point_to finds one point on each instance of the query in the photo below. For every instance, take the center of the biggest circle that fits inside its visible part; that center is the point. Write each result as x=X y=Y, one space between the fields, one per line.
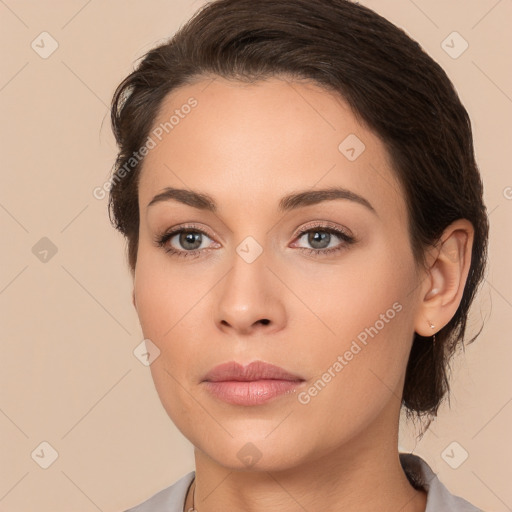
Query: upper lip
x=257 y=370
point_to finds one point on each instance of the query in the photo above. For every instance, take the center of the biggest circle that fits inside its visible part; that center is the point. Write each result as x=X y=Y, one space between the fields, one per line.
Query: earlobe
x=446 y=278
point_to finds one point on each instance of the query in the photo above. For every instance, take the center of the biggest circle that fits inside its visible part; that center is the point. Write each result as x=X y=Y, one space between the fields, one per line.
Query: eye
x=189 y=238
x=320 y=237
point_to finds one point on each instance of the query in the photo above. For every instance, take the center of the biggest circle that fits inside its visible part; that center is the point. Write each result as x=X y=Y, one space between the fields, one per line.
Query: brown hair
x=393 y=87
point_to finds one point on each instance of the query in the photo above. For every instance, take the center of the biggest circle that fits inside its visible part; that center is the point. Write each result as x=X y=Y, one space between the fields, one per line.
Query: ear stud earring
x=432 y=326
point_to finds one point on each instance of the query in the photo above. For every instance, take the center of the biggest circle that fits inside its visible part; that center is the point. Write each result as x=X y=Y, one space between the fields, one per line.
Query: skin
x=248 y=145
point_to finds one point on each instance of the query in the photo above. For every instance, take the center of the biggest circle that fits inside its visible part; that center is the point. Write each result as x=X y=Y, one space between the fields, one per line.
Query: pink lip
x=253 y=384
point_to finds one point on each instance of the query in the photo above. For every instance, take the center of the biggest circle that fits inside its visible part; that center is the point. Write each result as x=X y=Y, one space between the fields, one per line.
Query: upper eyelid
x=311 y=225
x=325 y=224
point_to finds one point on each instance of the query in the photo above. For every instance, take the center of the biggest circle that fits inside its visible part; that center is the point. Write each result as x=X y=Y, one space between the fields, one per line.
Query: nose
x=249 y=299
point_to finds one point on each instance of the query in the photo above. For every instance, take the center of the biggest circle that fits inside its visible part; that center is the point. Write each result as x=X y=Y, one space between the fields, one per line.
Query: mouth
x=253 y=384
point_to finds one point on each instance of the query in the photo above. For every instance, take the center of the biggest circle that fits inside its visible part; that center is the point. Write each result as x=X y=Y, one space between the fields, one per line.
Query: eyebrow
x=289 y=202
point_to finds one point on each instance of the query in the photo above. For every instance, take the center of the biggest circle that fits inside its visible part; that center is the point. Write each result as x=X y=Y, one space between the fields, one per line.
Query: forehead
x=253 y=143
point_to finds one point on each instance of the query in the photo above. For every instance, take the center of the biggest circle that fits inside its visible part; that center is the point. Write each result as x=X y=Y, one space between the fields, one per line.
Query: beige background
x=68 y=328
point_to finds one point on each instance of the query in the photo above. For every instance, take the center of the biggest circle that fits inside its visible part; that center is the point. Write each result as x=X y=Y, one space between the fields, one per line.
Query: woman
x=306 y=233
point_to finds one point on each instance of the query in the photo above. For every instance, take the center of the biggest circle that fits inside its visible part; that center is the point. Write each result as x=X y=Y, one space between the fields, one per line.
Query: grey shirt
x=419 y=473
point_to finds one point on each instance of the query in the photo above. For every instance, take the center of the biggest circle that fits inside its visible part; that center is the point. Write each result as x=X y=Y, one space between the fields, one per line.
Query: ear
x=133 y=299
x=449 y=263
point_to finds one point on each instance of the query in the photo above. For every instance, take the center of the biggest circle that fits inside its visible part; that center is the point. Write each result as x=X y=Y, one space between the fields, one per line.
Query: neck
x=360 y=477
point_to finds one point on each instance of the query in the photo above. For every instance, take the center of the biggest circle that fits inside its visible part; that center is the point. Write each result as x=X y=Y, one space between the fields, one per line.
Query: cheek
x=343 y=300
x=364 y=319
x=162 y=305
x=161 y=294
x=168 y=306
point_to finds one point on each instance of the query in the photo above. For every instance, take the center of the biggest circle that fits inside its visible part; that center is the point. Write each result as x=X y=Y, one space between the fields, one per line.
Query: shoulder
x=438 y=496
x=170 y=499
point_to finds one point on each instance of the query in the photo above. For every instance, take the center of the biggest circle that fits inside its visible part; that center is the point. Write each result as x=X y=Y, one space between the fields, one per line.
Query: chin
x=254 y=452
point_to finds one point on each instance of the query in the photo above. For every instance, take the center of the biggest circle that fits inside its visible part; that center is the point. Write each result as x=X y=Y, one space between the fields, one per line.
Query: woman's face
x=341 y=318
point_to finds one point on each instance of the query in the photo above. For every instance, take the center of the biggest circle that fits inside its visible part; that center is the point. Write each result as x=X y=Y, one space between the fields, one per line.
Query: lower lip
x=254 y=392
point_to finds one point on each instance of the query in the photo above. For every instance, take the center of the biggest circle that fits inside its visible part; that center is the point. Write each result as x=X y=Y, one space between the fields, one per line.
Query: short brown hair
x=393 y=87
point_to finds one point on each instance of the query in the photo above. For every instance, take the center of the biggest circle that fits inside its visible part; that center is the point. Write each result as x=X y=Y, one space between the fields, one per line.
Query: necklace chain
x=193 y=509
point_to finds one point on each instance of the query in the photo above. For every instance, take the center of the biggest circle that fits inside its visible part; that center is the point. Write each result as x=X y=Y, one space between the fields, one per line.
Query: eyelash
x=163 y=238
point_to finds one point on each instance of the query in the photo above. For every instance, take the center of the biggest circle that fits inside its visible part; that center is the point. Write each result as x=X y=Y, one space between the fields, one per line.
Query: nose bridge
x=248 y=295
x=247 y=281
